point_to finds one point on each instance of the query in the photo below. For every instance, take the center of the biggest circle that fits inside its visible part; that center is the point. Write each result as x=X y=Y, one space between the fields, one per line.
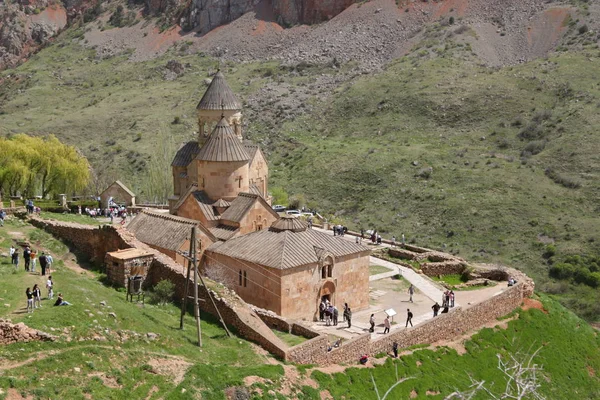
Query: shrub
x=425 y=173
x=534 y=147
x=163 y=292
x=550 y=251
x=563 y=180
x=176 y=120
x=583 y=29
x=531 y=131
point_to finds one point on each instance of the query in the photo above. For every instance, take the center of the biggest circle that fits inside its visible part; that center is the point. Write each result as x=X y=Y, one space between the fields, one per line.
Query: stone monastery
x=221 y=187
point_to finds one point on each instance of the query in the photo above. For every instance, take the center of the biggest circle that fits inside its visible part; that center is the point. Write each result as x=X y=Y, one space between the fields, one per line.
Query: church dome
x=223 y=145
x=289 y=223
x=219 y=96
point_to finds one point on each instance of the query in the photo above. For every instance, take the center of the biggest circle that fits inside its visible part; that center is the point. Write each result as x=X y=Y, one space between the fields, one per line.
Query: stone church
x=221 y=188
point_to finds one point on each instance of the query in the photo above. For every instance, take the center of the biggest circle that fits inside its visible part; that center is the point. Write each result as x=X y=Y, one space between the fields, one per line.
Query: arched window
x=245 y=279
x=240 y=277
x=324 y=272
x=328 y=265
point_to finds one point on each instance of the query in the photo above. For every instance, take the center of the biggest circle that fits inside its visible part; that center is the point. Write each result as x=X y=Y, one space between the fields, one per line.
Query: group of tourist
x=329 y=313
x=339 y=230
x=110 y=212
x=34 y=296
x=2 y=216
x=31 y=208
x=30 y=256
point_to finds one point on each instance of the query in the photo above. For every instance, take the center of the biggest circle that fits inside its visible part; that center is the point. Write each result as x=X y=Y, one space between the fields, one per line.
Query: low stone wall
x=273 y=320
x=443 y=268
x=312 y=351
x=304 y=331
x=20 y=333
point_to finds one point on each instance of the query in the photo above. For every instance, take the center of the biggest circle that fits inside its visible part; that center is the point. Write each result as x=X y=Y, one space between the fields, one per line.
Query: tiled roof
x=251 y=148
x=221 y=203
x=255 y=190
x=223 y=232
x=239 y=207
x=185 y=154
x=205 y=205
x=223 y=145
x=286 y=249
x=289 y=223
x=164 y=230
x=219 y=96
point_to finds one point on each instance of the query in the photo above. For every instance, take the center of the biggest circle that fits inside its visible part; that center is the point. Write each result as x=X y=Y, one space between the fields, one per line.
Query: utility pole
x=187 y=284
x=196 y=301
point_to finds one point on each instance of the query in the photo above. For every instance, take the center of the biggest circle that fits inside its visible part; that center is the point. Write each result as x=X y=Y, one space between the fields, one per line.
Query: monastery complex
x=221 y=187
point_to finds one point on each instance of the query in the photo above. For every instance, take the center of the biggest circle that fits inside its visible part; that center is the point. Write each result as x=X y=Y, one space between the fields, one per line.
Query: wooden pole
x=187 y=285
x=215 y=307
x=196 y=301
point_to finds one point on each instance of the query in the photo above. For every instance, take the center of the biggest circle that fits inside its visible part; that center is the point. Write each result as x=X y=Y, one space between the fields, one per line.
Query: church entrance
x=327 y=292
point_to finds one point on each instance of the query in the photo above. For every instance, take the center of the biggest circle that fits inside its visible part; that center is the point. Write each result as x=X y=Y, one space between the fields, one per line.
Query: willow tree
x=31 y=164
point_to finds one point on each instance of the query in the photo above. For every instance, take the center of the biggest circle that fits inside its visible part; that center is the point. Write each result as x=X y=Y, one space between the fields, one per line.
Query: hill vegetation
x=493 y=164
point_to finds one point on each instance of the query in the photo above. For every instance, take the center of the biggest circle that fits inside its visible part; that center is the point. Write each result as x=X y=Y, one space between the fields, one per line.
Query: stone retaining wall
x=443 y=268
x=20 y=333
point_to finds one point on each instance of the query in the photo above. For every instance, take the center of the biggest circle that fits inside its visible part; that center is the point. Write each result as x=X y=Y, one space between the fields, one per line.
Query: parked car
x=308 y=214
x=278 y=208
x=292 y=212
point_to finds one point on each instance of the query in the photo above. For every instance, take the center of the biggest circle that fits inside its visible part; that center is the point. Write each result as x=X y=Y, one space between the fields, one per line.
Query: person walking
x=411 y=291
x=435 y=308
x=349 y=317
x=395 y=349
x=49 y=286
x=452 y=298
x=15 y=258
x=386 y=325
x=322 y=310
x=43 y=263
x=27 y=257
x=372 y=322
x=335 y=315
x=393 y=241
x=2 y=216
x=409 y=317
x=49 y=261
x=345 y=311
x=11 y=251
x=403 y=240
x=29 y=295
x=33 y=257
x=37 y=296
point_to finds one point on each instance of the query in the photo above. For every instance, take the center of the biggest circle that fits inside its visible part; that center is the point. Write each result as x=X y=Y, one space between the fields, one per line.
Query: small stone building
x=119 y=193
x=170 y=234
x=122 y=264
x=289 y=269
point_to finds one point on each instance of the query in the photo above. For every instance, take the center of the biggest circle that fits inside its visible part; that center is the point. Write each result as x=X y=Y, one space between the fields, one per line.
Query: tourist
x=60 y=301
x=357 y=239
x=15 y=257
x=409 y=317
x=29 y=295
x=393 y=241
x=362 y=233
x=411 y=291
x=452 y=298
x=37 y=296
x=349 y=317
x=322 y=310
x=49 y=262
x=386 y=324
x=403 y=240
x=328 y=315
x=445 y=310
x=123 y=218
x=345 y=311
x=27 y=257
x=372 y=322
x=395 y=349
x=79 y=210
x=2 y=216
x=49 y=286
x=43 y=263
x=33 y=260
x=378 y=239
x=11 y=251
x=364 y=359
x=335 y=313
x=435 y=308
x=444 y=299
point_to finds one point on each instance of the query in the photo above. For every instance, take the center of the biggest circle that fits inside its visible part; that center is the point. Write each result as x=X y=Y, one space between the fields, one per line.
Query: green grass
x=80 y=219
x=288 y=338
x=569 y=352
x=450 y=279
x=377 y=269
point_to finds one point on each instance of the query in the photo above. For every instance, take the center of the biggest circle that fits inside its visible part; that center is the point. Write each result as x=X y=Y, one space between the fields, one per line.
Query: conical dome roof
x=223 y=145
x=289 y=223
x=221 y=203
x=219 y=96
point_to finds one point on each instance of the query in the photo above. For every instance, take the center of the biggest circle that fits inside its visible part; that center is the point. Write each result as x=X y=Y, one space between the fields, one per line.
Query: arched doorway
x=327 y=292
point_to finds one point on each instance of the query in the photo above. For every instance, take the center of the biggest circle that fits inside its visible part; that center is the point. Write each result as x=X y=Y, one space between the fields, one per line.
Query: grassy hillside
x=493 y=164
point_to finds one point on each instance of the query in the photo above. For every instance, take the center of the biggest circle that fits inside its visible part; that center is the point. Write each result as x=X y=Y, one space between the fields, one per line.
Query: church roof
x=289 y=223
x=239 y=207
x=251 y=148
x=255 y=190
x=224 y=232
x=219 y=96
x=223 y=145
x=164 y=230
x=286 y=249
x=122 y=186
x=205 y=205
x=221 y=203
x=185 y=154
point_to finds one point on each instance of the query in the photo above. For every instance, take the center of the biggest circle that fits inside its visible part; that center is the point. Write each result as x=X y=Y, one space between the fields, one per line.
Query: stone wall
x=20 y=333
x=443 y=268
